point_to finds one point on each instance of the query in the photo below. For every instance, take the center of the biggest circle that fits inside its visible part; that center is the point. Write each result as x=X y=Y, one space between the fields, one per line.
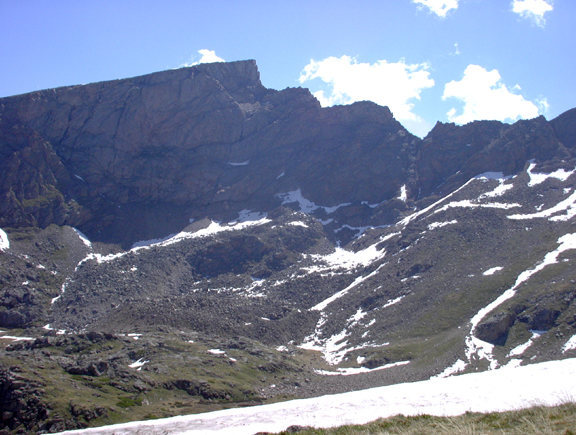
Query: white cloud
x=543 y=105
x=207 y=56
x=392 y=84
x=486 y=97
x=439 y=7
x=456 y=51
x=532 y=9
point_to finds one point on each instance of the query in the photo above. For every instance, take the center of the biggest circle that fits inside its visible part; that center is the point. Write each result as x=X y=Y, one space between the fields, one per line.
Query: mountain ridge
x=180 y=245
x=109 y=142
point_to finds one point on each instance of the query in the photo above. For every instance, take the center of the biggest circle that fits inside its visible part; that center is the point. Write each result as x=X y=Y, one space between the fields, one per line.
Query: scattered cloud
x=392 y=84
x=206 y=56
x=485 y=96
x=439 y=7
x=543 y=105
x=533 y=10
x=456 y=51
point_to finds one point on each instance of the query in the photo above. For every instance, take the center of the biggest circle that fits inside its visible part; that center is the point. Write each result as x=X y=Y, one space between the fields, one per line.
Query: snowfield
x=549 y=383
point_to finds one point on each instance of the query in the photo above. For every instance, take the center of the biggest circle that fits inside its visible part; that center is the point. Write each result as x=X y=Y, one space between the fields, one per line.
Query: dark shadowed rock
x=135 y=159
x=495 y=328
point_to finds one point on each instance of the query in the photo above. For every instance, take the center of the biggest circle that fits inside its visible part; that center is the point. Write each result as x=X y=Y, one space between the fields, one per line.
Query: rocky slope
x=189 y=240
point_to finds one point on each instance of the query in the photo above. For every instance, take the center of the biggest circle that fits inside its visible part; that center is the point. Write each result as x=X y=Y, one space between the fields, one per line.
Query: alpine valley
x=189 y=240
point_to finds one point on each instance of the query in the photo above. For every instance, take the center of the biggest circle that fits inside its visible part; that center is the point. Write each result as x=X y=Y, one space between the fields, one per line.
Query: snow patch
x=492 y=270
x=293 y=196
x=374 y=205
x=216 y=351
x=246 y=220
x=537 y=178
x=14 y=337
x=4 y=242
x=435 y=225
x=498 y=176
x=331 y=348
x=356 y=317
x=520 y=349
x=480 y=349
x=570 y=344
x=344 y=259
x=358 y=370
x=150 y=242
x=457 y=367
x=322 y=305
x=405 y=221
x=83 y=237
x=244 y=163
x=47 y=327
x=393 y=301
x=246 y=215
x=298 y=224
x=67 y=281
x=306 y=206
x=568 y=205
x=499 y=190
x=466 y=203
x=138 y=364
x=403 y=194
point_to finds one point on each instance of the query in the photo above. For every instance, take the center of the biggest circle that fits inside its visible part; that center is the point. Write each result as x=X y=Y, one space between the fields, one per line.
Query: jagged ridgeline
x=189 y=239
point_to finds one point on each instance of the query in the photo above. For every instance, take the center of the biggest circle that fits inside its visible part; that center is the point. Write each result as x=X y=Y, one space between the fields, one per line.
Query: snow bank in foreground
x=549 y=383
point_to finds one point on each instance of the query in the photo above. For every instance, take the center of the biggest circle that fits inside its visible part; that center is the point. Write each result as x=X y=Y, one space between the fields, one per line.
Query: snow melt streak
x=483 y=349
x=568 y=205
x=536 y=178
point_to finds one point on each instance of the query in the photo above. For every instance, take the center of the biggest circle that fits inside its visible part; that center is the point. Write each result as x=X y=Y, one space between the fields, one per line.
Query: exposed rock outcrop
x=135 y=159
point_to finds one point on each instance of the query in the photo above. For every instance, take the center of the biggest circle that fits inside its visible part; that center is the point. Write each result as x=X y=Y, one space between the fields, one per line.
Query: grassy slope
x=544 y=420
x=181 y=377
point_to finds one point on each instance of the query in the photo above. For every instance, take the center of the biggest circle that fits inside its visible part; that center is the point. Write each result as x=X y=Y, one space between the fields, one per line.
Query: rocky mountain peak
x=188 y=240
x=137 y=158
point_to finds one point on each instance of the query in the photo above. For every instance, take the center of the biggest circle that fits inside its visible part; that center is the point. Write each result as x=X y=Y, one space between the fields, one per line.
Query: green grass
x=541 y=420
x=127 y=402
x=223 y=383
x=48 y=197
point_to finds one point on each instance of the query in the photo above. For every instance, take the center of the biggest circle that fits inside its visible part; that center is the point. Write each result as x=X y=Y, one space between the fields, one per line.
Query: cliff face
x=184 y=144
x=133 y=159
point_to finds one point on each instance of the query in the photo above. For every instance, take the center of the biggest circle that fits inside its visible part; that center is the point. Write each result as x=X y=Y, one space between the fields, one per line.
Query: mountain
x=189 y=240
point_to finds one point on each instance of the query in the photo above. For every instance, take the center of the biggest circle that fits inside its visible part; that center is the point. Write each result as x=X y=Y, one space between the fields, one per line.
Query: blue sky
x=428 y=60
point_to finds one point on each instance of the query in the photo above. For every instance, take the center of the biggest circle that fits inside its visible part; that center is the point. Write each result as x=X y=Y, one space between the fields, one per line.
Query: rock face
x=135 y=159
x=267 y=227
x=157 y=150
